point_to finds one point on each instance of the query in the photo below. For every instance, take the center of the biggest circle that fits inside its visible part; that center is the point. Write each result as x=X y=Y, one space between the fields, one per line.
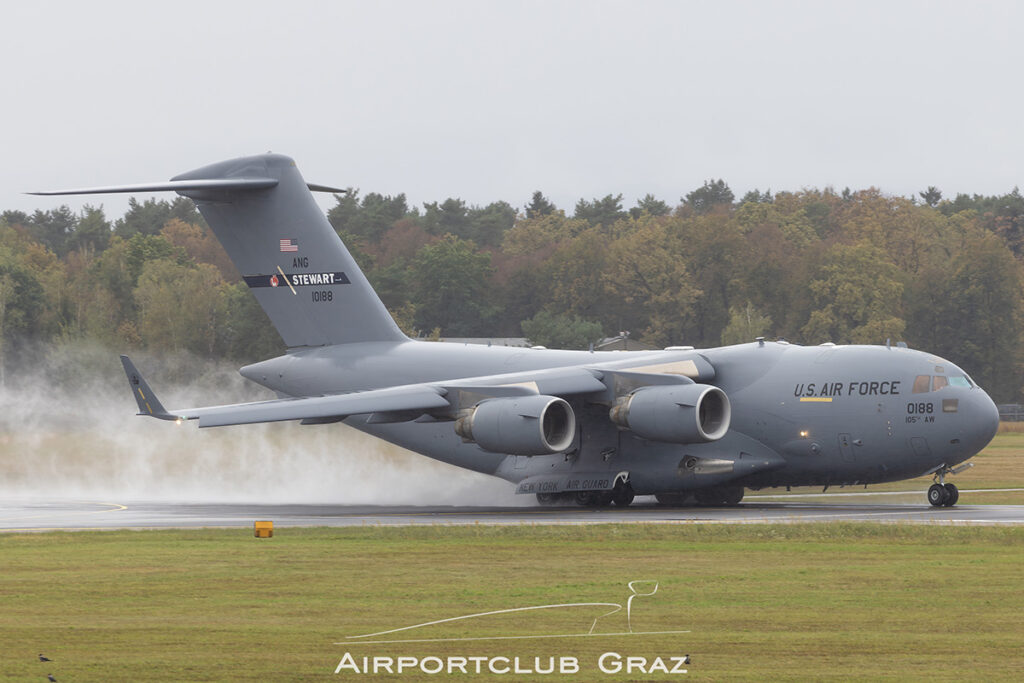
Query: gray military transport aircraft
x=596 y=428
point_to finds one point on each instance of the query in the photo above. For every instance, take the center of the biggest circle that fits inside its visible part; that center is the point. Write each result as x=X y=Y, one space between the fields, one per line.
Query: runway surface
x=42 y=515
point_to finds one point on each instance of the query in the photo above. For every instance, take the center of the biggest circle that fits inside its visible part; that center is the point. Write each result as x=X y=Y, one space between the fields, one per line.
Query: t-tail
x=264 y=215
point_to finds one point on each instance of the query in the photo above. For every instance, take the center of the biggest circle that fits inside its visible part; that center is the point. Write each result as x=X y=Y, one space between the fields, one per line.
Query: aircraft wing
x=444 y=397
x=420 y=397
x=406 y=399
x=415 y=397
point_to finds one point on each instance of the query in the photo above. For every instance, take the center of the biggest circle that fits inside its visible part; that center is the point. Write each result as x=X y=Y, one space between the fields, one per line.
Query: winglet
x=149 y=404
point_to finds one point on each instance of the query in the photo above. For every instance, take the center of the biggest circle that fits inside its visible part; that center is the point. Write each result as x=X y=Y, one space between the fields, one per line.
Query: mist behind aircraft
x=67 y=432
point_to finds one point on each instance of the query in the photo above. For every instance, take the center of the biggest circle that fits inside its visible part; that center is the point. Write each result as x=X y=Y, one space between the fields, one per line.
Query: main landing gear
x=620 y=496
x=941 y=494
x=710 y=497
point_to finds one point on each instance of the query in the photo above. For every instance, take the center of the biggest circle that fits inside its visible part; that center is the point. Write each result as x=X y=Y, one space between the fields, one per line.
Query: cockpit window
x=926 y=383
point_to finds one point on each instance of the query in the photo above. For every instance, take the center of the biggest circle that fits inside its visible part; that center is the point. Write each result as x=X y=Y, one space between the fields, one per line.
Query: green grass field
x=800 y=602
x=803 y=602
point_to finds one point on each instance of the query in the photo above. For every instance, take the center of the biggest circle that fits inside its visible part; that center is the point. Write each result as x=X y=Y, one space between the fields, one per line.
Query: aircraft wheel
x=583 y=498
x=672 y=499
x=708 y=497
x=952 y=495
x=937 y=495
x=547 y=498
x=602 y=499
x=622 y=495
x=732 y=495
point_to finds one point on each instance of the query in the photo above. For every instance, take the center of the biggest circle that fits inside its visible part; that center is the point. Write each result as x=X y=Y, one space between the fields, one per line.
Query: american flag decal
x=289 y=245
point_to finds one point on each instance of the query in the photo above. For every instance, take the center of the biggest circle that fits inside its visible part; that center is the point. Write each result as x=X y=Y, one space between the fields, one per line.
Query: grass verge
x=788 y=602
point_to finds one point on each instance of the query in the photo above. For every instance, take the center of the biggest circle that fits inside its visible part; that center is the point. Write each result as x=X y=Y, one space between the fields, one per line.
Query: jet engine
x=522 y=425
x=682 y=413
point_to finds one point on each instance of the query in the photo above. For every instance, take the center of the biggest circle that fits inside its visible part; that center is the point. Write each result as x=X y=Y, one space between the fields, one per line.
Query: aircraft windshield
x=924 y=384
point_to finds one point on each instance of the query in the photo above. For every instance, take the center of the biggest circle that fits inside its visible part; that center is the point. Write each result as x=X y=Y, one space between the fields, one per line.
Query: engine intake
x=684 y=413
x=524 y=425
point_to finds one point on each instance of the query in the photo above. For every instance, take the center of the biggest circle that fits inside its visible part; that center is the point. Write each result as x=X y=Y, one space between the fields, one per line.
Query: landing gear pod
x=524 y=425
x=687 y=413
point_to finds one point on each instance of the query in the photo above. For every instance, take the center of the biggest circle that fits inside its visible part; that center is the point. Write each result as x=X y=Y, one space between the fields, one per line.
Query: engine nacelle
x=680 y=413
x=522 y=425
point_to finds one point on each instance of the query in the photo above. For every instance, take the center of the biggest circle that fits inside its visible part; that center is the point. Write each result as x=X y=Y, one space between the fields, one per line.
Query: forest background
x=810 y=266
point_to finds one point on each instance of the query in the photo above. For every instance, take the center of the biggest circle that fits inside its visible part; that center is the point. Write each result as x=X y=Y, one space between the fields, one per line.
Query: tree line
x=810 y=266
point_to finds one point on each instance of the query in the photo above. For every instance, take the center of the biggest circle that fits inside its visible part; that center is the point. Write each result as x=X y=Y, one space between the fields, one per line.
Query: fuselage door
x=845 y=447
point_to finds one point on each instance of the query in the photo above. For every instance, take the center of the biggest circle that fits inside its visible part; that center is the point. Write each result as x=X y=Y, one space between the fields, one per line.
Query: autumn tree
x=200 y=244
x=970 y=311
x=711 y=194
x=370 y=217
x=53 y=228
x=932 y=196
x=572 y=280
x=150 y=216
x=181 y=306
x=539 y=206
x=746 y=324
x=560 y=331
x=645 y=273
x=650 y=205
x=605 y=211
x=92 y=231
x=858 y=297
x=449 y=283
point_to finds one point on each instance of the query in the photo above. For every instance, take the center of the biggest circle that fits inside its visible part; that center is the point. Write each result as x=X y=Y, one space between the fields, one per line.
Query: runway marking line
x=115 y=507
x=868 y=493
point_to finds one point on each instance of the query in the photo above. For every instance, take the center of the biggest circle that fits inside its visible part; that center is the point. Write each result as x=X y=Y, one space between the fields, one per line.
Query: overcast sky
x=493 y=100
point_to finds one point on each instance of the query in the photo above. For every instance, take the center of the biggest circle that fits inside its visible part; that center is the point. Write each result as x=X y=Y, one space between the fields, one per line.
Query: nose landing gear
x=941 y=494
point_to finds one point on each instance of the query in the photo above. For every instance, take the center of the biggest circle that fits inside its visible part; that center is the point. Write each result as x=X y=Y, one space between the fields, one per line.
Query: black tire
x=952 y=495
x=708 y=497
x=672 y=499
x=732 y=495
x=937 y=495
x=548 y=499
x=622 y=495
x=584 y=498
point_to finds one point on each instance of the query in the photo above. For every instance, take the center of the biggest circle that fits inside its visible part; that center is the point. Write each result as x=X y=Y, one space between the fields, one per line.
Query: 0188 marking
x=914 y=410
x=322 y=295
x=920 y=408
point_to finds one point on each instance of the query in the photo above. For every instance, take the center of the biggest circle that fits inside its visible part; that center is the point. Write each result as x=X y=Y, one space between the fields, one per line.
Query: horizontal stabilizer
x=313 y=187
x=236 y=184
x=174 y=186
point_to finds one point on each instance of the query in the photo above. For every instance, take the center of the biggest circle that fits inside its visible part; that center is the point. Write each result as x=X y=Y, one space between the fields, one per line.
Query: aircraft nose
x=984 y=418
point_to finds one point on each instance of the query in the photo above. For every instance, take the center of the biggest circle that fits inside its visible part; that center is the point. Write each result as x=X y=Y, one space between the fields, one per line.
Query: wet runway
x=41 y=515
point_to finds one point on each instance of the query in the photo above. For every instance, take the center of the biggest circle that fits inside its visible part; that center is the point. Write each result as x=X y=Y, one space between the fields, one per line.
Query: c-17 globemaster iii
x=594 y=427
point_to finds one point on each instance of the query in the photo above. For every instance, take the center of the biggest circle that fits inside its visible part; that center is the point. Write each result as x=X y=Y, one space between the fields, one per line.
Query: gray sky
x=492 y=100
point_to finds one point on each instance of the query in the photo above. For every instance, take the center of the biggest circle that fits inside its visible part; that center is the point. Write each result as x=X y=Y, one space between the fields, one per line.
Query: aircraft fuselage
x=821 y=415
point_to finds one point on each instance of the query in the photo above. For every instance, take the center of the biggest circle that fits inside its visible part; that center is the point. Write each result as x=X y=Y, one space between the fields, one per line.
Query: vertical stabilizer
x=291 y=258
